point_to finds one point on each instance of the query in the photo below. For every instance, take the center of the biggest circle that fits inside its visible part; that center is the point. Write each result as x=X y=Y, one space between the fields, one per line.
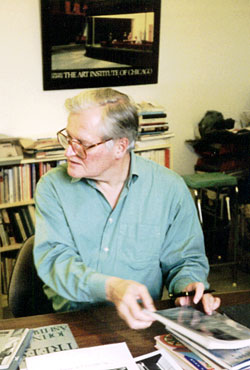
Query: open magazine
x=214 y=331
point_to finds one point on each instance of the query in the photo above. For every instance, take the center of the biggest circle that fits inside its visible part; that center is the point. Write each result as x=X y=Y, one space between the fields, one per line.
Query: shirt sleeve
x=56 y=256
x=183 y=257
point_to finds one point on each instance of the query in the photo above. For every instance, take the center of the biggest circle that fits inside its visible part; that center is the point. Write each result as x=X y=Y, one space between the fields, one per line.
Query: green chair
x=216 y=198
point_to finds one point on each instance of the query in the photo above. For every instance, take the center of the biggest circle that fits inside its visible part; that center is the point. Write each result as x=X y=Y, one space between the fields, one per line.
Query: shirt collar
x=133 y=172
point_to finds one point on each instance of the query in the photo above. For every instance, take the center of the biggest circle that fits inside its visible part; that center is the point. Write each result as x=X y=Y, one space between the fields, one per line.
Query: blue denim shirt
x=152 y=236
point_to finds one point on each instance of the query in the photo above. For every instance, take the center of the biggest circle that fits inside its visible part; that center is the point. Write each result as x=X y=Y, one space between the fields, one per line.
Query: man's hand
x=209 y=302
x=125 y=295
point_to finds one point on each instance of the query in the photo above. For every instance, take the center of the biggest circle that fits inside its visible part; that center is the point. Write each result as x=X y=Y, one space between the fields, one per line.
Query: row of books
x=17 y=183
x=160 y=156
x=152 y=120
x=16 y=224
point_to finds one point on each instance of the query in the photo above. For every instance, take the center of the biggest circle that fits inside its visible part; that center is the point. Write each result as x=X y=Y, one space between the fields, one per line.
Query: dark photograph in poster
x=98 y=43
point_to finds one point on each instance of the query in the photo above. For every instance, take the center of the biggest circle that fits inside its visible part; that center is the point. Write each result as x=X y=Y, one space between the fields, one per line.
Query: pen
x=189 y=294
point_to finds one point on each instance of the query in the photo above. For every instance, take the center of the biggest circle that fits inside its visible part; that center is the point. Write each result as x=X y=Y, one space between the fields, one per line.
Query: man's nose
x=69 y=151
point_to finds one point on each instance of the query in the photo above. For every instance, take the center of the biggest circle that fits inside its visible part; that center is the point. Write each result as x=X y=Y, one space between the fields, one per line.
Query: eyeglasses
x=81 y=150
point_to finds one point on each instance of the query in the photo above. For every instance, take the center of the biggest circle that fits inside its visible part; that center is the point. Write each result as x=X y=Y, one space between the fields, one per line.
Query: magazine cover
x=187 y=358
x=47 y=339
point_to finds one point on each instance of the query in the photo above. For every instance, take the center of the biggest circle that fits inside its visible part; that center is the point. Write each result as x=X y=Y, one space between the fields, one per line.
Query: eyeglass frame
x=72 y=140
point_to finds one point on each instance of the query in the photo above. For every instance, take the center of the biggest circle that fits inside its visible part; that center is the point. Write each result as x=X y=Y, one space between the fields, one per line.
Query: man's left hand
x=209 y=302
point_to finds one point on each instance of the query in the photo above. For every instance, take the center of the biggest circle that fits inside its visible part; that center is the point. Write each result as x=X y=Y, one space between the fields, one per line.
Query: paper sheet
x=106 y=357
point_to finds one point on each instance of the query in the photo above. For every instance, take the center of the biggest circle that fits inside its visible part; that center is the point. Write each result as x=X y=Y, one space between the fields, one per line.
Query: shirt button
x=110 y=220
x=106 y=249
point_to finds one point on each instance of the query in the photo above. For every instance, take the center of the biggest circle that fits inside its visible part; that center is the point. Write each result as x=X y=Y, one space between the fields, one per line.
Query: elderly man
x=113 y=226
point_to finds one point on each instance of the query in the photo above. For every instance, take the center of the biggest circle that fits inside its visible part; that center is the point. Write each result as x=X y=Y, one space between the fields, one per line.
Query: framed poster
x=98 y=43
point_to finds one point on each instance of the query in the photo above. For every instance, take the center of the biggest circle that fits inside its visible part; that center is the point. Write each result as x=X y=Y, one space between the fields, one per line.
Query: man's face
x=85 y=127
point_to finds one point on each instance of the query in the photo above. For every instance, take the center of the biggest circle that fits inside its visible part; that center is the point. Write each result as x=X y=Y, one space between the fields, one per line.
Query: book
x=108 y=356
x=214 y=331
x=153 y=129
x=152 y=119
x=47 y=339
x=27 y=223
x=20 y=224
x=16 y=231
x=4 y=238
x=186 y=358
x=13 y=343
x=31 y=210
x=233 y=359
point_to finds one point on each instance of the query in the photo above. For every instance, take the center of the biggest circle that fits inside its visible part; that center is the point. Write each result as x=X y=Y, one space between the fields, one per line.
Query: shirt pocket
x=139 y=245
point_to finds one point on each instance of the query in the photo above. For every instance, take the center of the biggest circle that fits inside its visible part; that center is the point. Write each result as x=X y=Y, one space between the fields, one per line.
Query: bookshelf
x=17 y=185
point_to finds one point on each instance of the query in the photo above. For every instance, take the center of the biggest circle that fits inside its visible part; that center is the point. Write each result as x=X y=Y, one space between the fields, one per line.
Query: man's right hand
x=125 y=294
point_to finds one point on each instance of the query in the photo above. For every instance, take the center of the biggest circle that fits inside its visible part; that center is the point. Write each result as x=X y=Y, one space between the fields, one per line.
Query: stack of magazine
x=218 y=340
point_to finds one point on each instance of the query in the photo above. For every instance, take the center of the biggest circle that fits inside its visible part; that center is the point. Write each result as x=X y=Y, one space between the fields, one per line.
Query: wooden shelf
x=29 y=160
x=151 y=147
x=12 y=247
x=17 y=204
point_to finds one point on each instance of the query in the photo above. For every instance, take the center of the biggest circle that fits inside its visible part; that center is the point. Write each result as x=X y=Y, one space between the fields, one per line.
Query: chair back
x=25 y=292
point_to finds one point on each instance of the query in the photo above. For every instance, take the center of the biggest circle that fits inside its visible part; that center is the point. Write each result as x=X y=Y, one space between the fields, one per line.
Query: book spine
x=31 y=212
x=151 y=121
x=21 y=182
x=3 y=234
x=152 y=115
x=167 y=158
x=1 y=186
x=25 y=221
x=20 y=225
x=15 y=227
x=6 y=185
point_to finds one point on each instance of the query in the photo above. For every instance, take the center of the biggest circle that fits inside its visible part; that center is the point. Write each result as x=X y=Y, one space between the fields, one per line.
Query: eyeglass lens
x=65 y=141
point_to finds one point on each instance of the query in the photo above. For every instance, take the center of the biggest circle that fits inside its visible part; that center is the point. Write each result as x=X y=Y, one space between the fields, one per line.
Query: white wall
x=204 y=64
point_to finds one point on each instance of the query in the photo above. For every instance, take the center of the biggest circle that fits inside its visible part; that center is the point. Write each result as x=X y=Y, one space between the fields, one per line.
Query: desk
x=103 y=326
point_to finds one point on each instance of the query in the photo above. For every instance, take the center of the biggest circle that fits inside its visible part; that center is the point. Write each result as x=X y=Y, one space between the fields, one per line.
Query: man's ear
x=121 y=147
